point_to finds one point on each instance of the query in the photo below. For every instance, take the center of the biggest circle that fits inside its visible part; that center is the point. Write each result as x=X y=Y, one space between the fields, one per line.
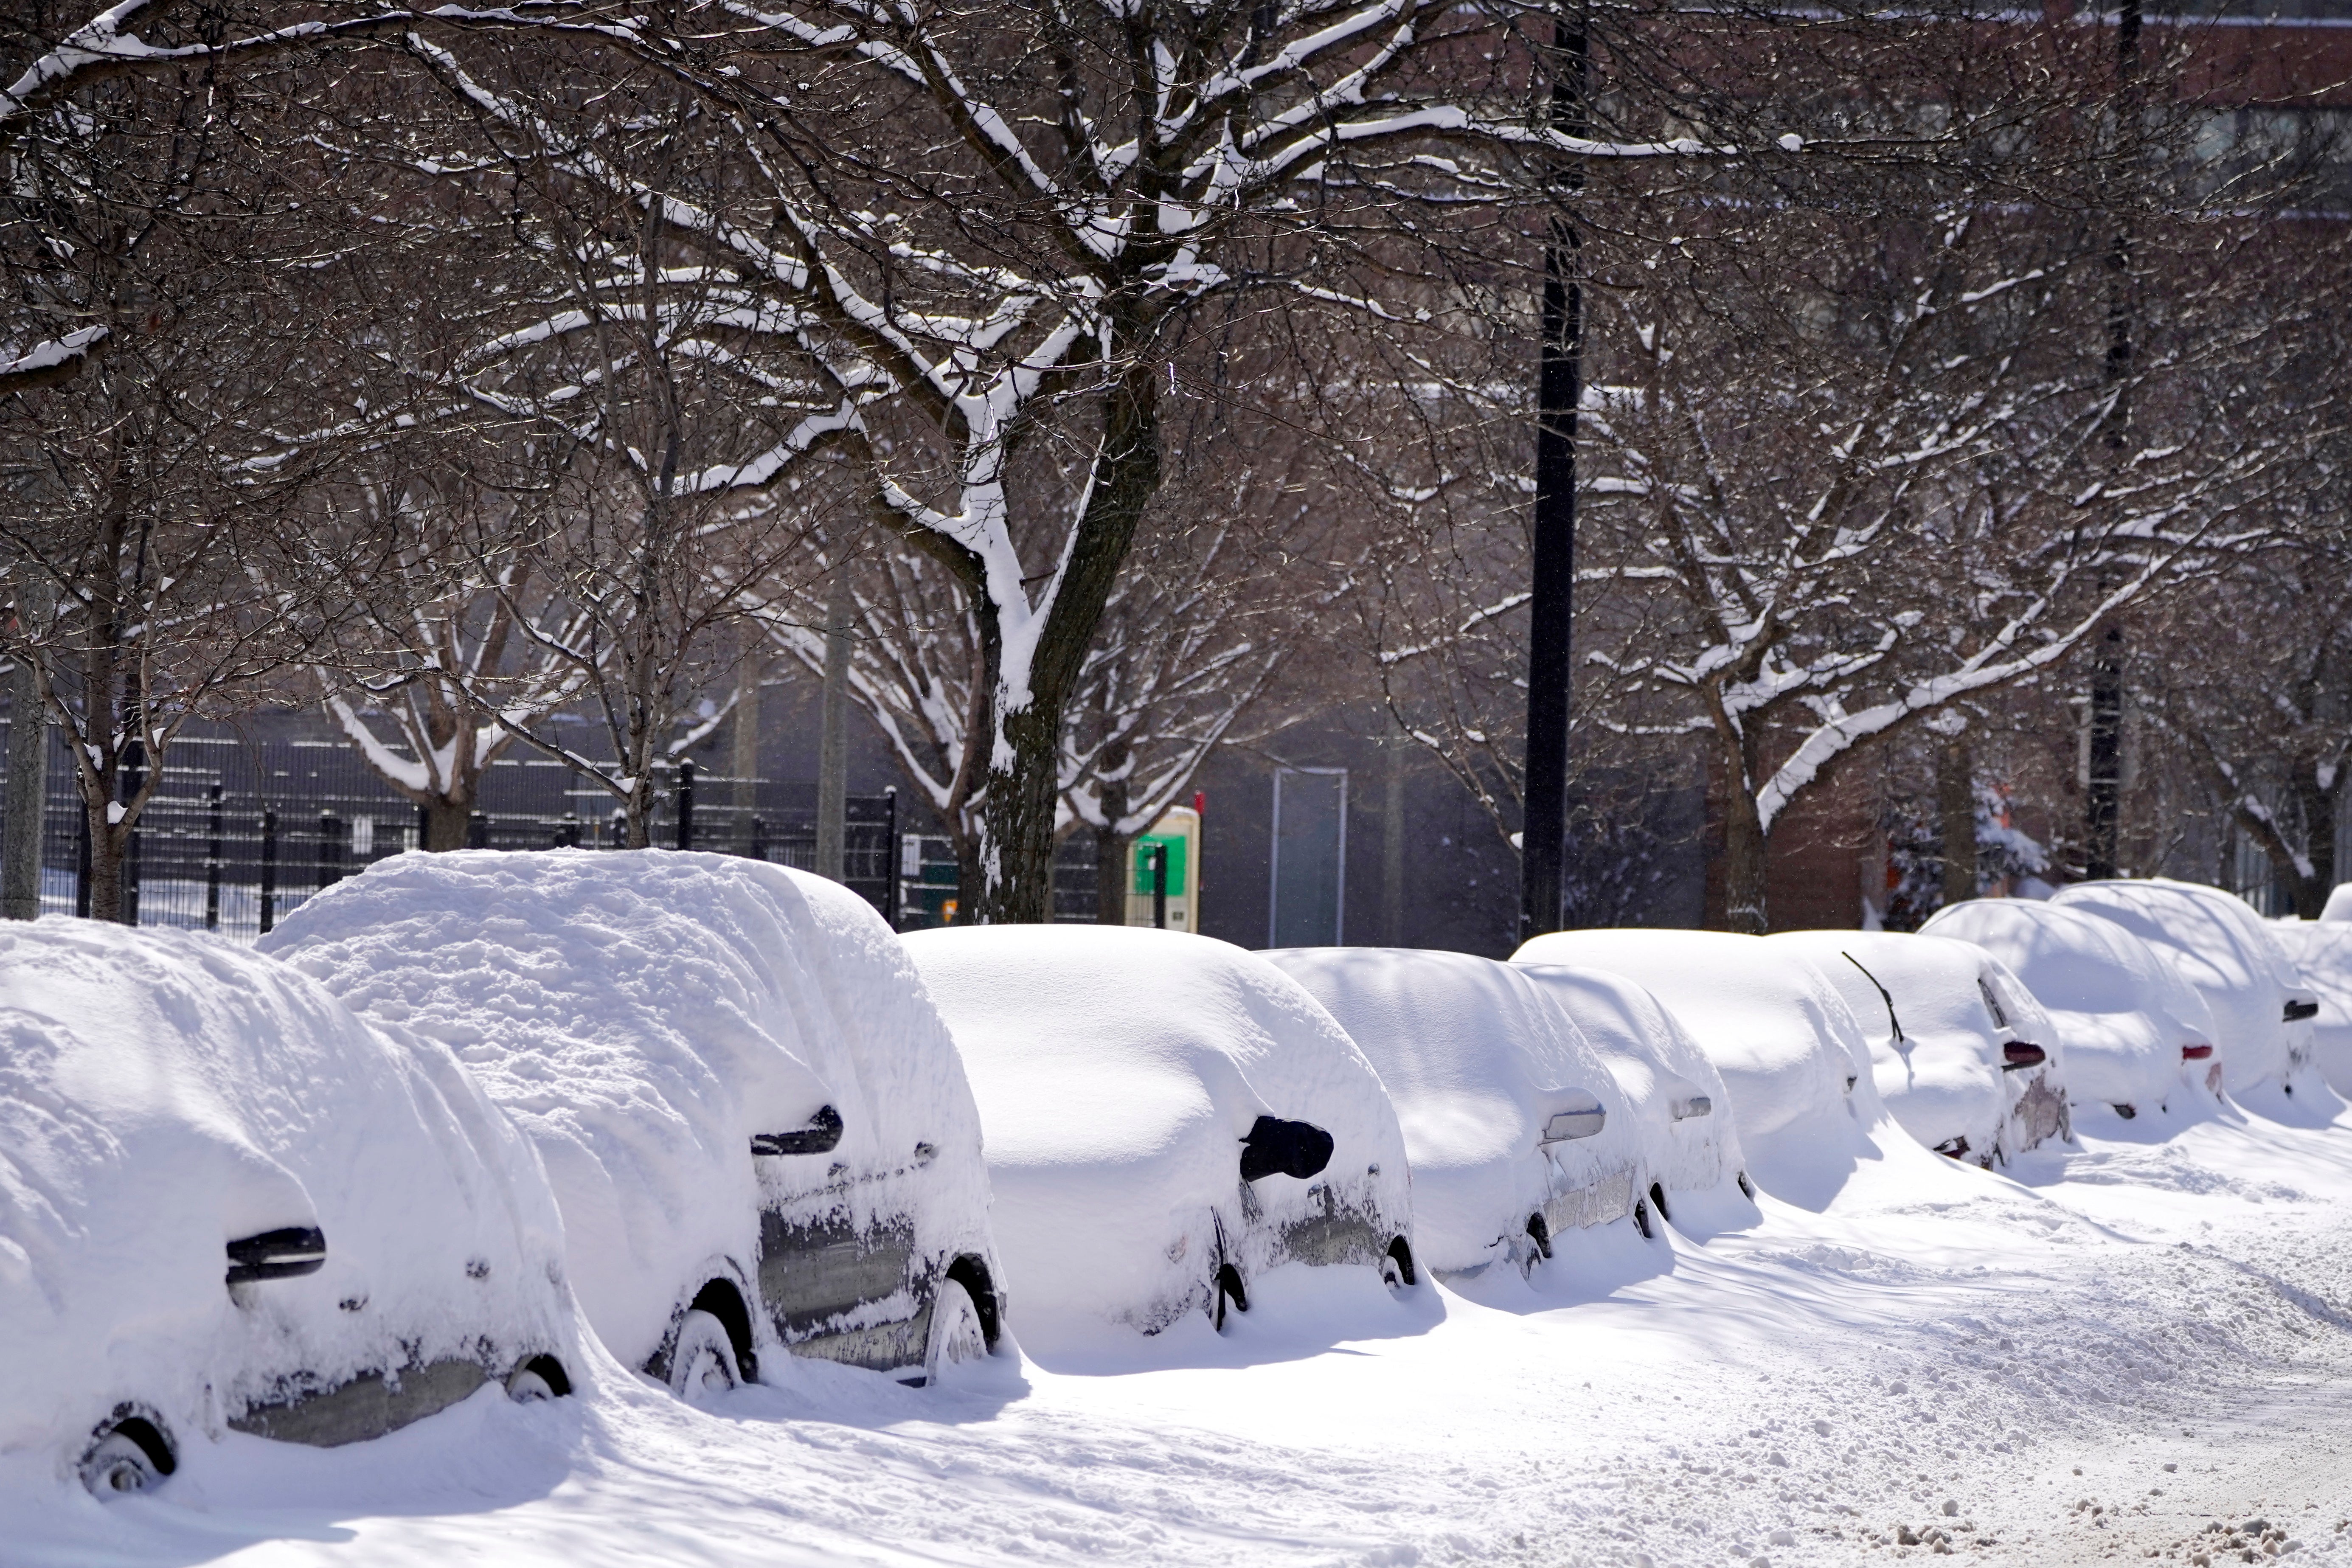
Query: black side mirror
x=277 y=1255
x=1286 y=1148
x=2296 y=1012
x=818 y=1137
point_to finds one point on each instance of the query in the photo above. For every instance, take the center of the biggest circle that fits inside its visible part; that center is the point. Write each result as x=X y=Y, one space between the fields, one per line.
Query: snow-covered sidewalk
x=2001 y=1368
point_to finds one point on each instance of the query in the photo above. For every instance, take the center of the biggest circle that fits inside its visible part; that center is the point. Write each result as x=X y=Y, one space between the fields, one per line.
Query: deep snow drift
x=164 y=1096
x=643 y=1017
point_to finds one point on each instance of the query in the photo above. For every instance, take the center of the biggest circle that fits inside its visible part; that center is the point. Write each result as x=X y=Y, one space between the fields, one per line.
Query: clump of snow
x=1792 y=1055
x=2337 y=910
x=1689 y=1138
x=163 y=1095
x=1119 y=1072
x=643 y=1016
x=2123 y=1015
x=1480 y=1061
x=2219 y=946
x=1945 y=1077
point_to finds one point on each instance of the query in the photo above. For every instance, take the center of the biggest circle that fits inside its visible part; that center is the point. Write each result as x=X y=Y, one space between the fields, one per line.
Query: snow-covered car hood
x=1661 y=1070
x=163 y=1095
x=1479 y=1061
x=1946 y=1078
x=2219 y=945
x=643 y=1016
x=2121 y=1012
x=1118 y=1072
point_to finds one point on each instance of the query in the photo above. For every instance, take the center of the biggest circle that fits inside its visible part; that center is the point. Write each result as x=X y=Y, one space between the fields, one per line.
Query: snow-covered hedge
x=644 y=1017
x=164 y=1096
x=1125 y=1077
x=1516 y=1130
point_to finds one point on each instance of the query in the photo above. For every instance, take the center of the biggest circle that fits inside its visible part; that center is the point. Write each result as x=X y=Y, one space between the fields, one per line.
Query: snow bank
x=1689 y=1140
x=1481 y=1063
x=643 y=1016
x=164 y=1095
x=2219 y=946
x=1119 y=1073
x=1792 y=1057
x=2123 y=1015
x=1946 y=1078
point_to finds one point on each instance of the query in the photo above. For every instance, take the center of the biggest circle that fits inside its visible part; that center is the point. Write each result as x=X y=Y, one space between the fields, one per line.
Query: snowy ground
x=2096 y=1362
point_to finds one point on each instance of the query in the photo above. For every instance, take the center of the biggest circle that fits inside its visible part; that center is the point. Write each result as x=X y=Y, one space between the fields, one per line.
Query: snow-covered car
x=2131 y=1031
x=2223 y=948
x=1516 y=1130
x=1789 y=1051
x=2322 y=954
x=1168 y=1118
x=227 y=1201
x=755 y=1123
x=1689 y=1140
x=1963 y=1056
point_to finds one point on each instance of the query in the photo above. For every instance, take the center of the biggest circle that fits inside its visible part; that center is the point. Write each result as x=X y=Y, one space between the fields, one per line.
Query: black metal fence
x=242 y=830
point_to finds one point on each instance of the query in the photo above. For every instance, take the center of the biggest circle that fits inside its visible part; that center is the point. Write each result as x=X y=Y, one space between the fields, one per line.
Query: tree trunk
x=1017 y=808
x=445 y=822
x=2103 y=800
x=2318 y=838
x=1113 y=849
x=29 y=762
x=1955 y=807
x=833 y=734
x=107 y=843
x=1744 y=903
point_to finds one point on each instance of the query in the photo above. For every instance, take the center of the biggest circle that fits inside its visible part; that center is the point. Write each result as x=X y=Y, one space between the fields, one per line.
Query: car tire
x=702 y=1364
x=120 y=1464
x=957 y=1338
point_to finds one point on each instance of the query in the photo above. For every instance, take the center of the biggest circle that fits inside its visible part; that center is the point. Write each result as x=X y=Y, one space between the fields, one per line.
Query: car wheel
x=1642 y=1219
x=956 y=1339
x=1231 y=1293
x=703 y=1364
x=130 y=1457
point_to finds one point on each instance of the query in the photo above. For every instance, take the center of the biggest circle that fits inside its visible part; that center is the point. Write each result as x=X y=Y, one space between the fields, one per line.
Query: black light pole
x=1552 y=597
x=2103 y=789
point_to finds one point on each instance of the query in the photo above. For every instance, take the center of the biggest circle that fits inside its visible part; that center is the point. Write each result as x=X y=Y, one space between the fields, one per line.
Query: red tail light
x=2195 y=1053
x=2021 y=1054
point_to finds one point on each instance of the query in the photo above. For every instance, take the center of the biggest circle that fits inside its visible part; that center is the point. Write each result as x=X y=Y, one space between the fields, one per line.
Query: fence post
x=213 y=860
x=891 y=890
x=686 y=804
x=477 y=830
x=330 y=850
x=423 y=824
x=1160 y=887
x=759 y=839
x=269 y=871
x=134 y=775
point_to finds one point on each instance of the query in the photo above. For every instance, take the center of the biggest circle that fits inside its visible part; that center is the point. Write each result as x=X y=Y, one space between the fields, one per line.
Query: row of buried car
x=484 y=1120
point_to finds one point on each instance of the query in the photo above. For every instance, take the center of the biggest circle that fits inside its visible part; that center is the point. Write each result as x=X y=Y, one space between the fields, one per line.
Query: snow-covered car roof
x=1690 y=1140
x=2219 y=946
x=2123 y=1014
x=1119 y=1074
x=643 y=1016
x=164 y=1097
x=1947 y=1079
x=1509 y=1115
